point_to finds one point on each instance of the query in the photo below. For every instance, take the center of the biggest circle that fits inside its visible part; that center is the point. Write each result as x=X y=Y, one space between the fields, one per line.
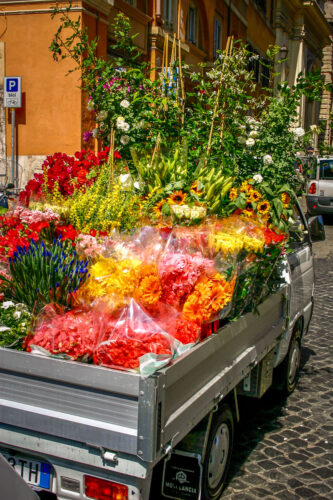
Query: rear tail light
x=312 y=188
x=101 y=489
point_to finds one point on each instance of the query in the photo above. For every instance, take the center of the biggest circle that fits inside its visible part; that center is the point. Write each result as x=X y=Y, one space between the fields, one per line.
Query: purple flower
x=87 y=136
x=128 y=89
x=140 y=87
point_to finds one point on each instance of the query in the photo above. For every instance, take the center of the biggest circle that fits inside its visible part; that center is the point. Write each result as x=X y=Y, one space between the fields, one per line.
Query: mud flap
x=182 y=474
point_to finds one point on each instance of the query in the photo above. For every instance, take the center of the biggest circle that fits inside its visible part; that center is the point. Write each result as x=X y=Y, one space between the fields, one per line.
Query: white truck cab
x=319 y=192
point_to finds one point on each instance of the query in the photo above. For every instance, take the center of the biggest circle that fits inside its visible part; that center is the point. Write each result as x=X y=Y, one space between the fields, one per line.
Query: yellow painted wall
x=258 y=31
x=51 y=118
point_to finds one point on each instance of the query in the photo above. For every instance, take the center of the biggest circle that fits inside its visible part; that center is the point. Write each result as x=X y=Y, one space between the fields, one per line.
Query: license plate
x=35 y=473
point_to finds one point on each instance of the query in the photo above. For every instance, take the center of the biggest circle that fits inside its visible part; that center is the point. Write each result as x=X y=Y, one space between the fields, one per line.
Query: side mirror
x=316 y=228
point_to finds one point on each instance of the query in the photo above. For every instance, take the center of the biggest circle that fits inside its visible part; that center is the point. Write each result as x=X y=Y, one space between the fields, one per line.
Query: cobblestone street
x=284 y=448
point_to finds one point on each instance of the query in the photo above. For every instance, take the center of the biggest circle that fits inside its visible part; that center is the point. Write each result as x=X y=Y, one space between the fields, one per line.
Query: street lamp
x=283 y=51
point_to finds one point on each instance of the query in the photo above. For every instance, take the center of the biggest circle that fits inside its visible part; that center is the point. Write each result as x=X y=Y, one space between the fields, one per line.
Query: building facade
x=53 y=116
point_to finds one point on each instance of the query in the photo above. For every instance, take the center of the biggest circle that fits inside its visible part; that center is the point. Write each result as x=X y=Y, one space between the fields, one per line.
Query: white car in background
x=319 y=192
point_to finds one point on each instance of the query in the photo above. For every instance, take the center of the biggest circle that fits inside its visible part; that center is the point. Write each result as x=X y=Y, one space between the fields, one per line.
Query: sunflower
x=157 y=209
x=263 y=207
x=233 y=194
x=285 y=198
x=248 y=212
x=245 y=187
x=194 y=189
x=177 y=198
x=255 y=196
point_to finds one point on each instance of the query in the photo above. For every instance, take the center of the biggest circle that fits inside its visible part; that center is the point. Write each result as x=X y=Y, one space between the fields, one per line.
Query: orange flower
x=210 y=295
x=148 y=290
x=177 y=198
x=192 y=308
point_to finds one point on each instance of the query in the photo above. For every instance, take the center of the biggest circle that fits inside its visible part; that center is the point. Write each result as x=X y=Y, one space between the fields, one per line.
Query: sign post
x=12 y=100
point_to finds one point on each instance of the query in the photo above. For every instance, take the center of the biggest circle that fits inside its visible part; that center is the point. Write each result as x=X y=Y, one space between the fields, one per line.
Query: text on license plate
x=33 y=472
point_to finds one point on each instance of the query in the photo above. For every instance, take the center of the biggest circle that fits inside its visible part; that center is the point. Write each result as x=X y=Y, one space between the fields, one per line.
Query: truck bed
x=126 y=412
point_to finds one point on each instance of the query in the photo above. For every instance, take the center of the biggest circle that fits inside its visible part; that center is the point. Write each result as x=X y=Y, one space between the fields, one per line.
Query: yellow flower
x=263 y=207
x=233 y=194
x=177 y=198
x=194 y=189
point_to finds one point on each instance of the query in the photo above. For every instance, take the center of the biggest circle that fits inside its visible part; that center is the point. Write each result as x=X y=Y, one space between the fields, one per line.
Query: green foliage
x=14 y=324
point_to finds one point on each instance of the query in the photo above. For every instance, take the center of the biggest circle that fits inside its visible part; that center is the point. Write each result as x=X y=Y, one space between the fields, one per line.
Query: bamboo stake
x=229 y=44
x=111 y=153
x=96 y=142
x=156 y=149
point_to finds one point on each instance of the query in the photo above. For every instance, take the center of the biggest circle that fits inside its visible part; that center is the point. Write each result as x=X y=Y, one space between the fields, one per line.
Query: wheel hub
x=218 y=455
x=294 y=363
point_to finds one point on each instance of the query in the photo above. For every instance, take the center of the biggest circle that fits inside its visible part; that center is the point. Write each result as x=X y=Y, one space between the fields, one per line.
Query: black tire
x=287 y=372
x=218 y=454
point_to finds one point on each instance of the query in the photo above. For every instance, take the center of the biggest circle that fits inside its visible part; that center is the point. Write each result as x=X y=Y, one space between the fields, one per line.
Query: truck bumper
x=319 y=205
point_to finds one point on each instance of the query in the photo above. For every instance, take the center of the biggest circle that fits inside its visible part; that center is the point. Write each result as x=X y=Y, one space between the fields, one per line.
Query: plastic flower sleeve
x=135 y=341
x=70 y=335
x=179 y=272
x=110 y=279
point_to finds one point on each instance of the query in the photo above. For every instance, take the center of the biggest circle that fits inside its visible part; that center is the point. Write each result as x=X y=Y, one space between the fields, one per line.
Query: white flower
x=299 y=132
x=125 y=127
x=121 y=124
x=95 y=133
x=102 y=115
x=136 y=185
x=254 y=134
x=268 y=160
x=314 y=129
x=7 y=304
x=17 y=314
x=141 y=124
x=124 y=103
x=124 y=139
x=120 y=121
x=4 y=329
x=250 y=142
x=90 y=106
x=257 y=178
x=125 y=180
x=198 y=212
x=250 y=120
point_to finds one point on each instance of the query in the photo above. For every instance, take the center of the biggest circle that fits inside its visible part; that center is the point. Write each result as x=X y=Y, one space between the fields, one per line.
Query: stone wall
x=3 y=157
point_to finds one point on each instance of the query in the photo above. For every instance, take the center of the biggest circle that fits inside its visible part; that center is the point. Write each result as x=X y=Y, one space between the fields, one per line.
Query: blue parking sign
x=12 y=91
x=12 y=84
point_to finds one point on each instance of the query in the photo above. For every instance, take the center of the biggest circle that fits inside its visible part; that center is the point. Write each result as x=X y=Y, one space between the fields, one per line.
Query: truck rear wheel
x=218 y=454
x=288 y=371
